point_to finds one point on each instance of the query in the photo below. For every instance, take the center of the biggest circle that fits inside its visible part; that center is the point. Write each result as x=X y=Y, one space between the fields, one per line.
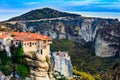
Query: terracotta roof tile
x=2 y=36
x=23 y=36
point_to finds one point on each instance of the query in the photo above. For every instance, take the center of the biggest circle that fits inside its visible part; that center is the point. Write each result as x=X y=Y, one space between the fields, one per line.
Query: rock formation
x=39 y=66
x=3 y=77
x=102 y=48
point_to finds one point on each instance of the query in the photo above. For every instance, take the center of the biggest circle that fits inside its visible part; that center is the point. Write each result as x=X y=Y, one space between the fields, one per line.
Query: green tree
x=4 y=59
x=13 y=51
x=116 y=71
x=19 y=53
x=17 y=58
x=6 y=69
x=23 y=70
x=5 y=63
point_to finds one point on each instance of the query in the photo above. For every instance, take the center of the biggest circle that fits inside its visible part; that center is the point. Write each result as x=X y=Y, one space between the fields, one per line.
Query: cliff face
x=102 y=47
x=39 y=65
x=78 y=29
x=4 y=27
x=71 y=28
x=63 y=25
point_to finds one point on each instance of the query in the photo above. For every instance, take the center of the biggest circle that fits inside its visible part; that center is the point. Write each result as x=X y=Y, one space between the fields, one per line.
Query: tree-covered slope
x=42 y=14
x=83 y=58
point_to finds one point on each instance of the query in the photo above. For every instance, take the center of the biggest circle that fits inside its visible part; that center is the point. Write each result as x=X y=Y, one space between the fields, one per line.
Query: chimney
x=59 y=51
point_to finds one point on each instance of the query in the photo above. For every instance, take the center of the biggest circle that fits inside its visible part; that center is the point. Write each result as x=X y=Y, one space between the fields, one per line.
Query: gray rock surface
x=78 y=29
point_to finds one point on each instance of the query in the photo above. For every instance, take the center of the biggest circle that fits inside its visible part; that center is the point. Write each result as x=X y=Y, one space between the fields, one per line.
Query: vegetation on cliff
x=116 y=71
x=83 y=75
x=17 y=61
x=14 y=64
x=84 y=59
x=5 y=63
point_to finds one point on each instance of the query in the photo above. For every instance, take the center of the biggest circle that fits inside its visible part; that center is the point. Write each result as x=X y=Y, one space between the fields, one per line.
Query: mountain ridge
x=42 y=13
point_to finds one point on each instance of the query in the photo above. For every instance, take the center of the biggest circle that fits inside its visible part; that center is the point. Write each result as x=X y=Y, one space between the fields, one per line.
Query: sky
x=91 y=8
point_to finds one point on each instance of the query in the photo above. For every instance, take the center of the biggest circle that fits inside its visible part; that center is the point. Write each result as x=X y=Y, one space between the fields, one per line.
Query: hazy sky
x=100 y=8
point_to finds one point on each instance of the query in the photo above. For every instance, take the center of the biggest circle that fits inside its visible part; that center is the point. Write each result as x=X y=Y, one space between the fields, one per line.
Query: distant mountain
x=42 y=14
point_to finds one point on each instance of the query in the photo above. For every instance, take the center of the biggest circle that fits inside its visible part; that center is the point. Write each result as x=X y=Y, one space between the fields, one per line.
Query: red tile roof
x=2 y=36
x=1 y=32
x=24 y=36
x=62 y=54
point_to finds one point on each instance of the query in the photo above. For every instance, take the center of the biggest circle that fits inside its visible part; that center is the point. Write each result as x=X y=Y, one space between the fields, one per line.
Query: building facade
x=62 y=63
x=31 y=42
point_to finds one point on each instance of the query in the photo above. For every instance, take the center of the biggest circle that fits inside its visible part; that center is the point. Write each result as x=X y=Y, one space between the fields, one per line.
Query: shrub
x=85 y=76
x=5 y=69
x=23 y=70
x=13 y=35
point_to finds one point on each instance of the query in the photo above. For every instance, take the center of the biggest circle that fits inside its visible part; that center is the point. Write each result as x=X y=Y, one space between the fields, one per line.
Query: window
x=37 y=50
x=24 y=43
x=16 y=43
x=49 y=40
x=44 y=46
x=44 y=42
x=30 y=44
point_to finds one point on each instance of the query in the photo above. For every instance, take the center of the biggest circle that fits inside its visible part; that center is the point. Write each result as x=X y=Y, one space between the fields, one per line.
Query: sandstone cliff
x=39 y=66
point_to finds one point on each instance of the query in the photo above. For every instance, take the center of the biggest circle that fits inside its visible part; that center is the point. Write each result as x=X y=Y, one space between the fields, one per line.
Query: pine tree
x=19 y=53
x=17 y=58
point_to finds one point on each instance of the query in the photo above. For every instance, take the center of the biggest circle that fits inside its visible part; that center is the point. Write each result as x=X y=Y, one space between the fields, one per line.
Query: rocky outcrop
x=3 y=77
x=102 y=47
x=71 y=28
x=4 y=27
x=39 y=66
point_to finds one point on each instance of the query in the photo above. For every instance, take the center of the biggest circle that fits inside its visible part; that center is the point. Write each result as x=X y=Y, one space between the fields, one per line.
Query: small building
x=62 y=63
x=5 y=42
